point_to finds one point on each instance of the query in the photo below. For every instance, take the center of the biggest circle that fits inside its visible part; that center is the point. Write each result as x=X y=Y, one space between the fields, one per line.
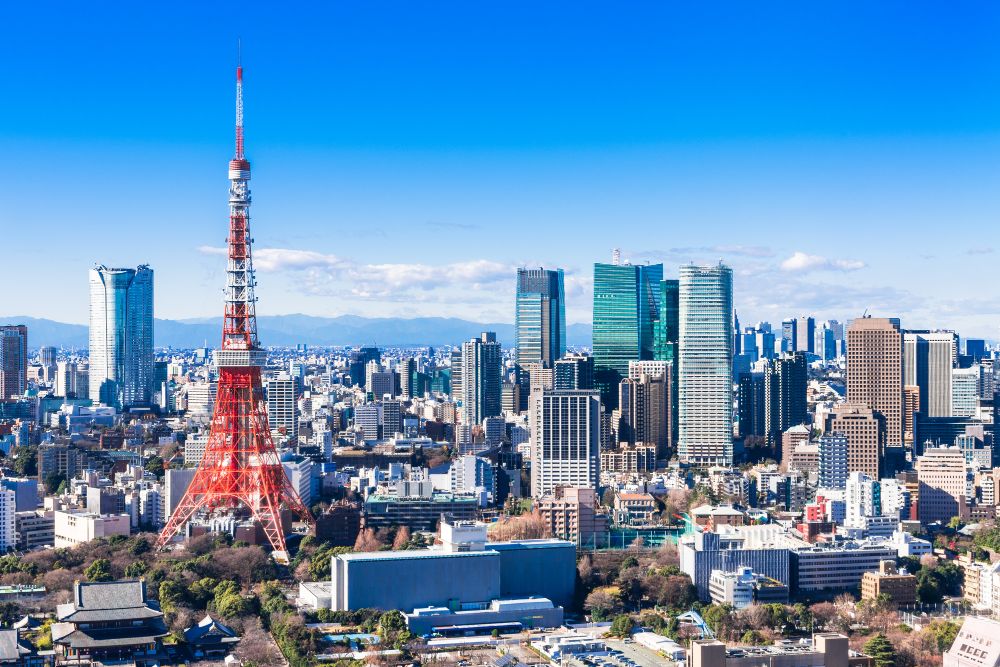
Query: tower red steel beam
x=241 y=467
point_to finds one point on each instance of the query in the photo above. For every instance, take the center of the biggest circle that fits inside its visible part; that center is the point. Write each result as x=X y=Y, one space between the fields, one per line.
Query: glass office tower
x=121 y=336
x=539 y=317
x=626 y=305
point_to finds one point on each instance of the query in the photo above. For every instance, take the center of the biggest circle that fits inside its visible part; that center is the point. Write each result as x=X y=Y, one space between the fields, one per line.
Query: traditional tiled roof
x=10 y=648
x=67 y=634
x=108 y=601
x=210 y=631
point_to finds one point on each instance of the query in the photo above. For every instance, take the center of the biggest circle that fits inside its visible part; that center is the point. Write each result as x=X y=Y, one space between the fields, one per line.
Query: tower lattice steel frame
x=240 y=466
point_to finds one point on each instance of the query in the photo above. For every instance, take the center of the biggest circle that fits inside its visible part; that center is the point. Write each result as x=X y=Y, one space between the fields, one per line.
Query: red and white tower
x=240 y=470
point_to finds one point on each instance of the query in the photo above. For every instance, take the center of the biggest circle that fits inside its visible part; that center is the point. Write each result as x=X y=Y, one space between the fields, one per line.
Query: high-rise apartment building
x=644 y=406
x=408 y=378
x=13 y=361
x=626 y=305
x=785 y=404
x=833 y=471
x=121 y=336
x=928 y=358
x=751 y=405
x=705 y=383
x=539 y=317
x=875 y=371
x=481 y=379
x=565 y=440
x=281 y=399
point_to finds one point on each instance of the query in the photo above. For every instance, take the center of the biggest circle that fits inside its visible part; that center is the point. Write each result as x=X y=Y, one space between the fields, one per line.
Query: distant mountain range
x=290 y=330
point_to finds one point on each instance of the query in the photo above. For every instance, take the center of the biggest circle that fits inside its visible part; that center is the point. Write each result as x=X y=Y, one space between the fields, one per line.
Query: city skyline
x=387 y=169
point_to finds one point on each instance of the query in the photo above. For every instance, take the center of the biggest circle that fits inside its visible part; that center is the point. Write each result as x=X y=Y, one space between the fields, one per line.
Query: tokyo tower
x=240 y=470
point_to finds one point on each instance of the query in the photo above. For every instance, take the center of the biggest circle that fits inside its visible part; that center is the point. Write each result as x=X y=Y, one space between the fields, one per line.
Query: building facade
x=705 y=419
x=121 y=336
x=539 y=317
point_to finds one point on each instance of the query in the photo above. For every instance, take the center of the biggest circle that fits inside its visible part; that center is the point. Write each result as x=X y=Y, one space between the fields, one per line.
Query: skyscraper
x=359 y=361
x=13 y=361
x=875 y=372
x=539 y=317
x=565 y=440
x=705 y=378
x=481 y=379
x=281 y=399
x=928 y=358
x=626 y=304
x=789 y=335
x=784 y=395
x=574 y=372
x=644 y=406
x=121 y=336
x=805 y=335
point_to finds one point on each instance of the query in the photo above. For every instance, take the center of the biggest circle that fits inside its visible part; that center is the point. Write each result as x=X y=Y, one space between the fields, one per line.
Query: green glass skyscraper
x=626 y=305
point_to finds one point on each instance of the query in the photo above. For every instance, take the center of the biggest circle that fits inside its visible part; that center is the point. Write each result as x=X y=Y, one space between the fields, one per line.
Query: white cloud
x=801 y=262
x=329 y=274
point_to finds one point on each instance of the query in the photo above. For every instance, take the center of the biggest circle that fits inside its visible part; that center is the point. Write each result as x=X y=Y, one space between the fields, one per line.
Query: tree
x=622 y=626
x=136 y=569
x=943 y=633
x=600 y=604
x=367 y=541
x=402 y=539
x=881 y=651
x=52 y=482
x=155 y=466
x=99 y=570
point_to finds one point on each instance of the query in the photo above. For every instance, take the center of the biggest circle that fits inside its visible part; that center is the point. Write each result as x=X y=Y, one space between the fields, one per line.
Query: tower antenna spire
x=239 y=100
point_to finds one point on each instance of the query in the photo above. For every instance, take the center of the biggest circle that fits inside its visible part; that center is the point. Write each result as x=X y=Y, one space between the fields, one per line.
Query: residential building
x=833 y=461
x=705 y=419
x=282 y=394
x=784 y=396
x=644 y=407
x=121 y=336
x=565 y=440
x=480 y=378
x=539 y=317
x=573 y=513
x=875 y=372
x=899 y=587
x=634 y=509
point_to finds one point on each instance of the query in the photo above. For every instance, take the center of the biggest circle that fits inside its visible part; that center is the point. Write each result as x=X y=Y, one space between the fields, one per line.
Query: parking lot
x=620 y=654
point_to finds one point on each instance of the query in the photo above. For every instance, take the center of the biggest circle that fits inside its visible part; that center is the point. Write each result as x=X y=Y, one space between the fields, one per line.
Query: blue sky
x=407 y=156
